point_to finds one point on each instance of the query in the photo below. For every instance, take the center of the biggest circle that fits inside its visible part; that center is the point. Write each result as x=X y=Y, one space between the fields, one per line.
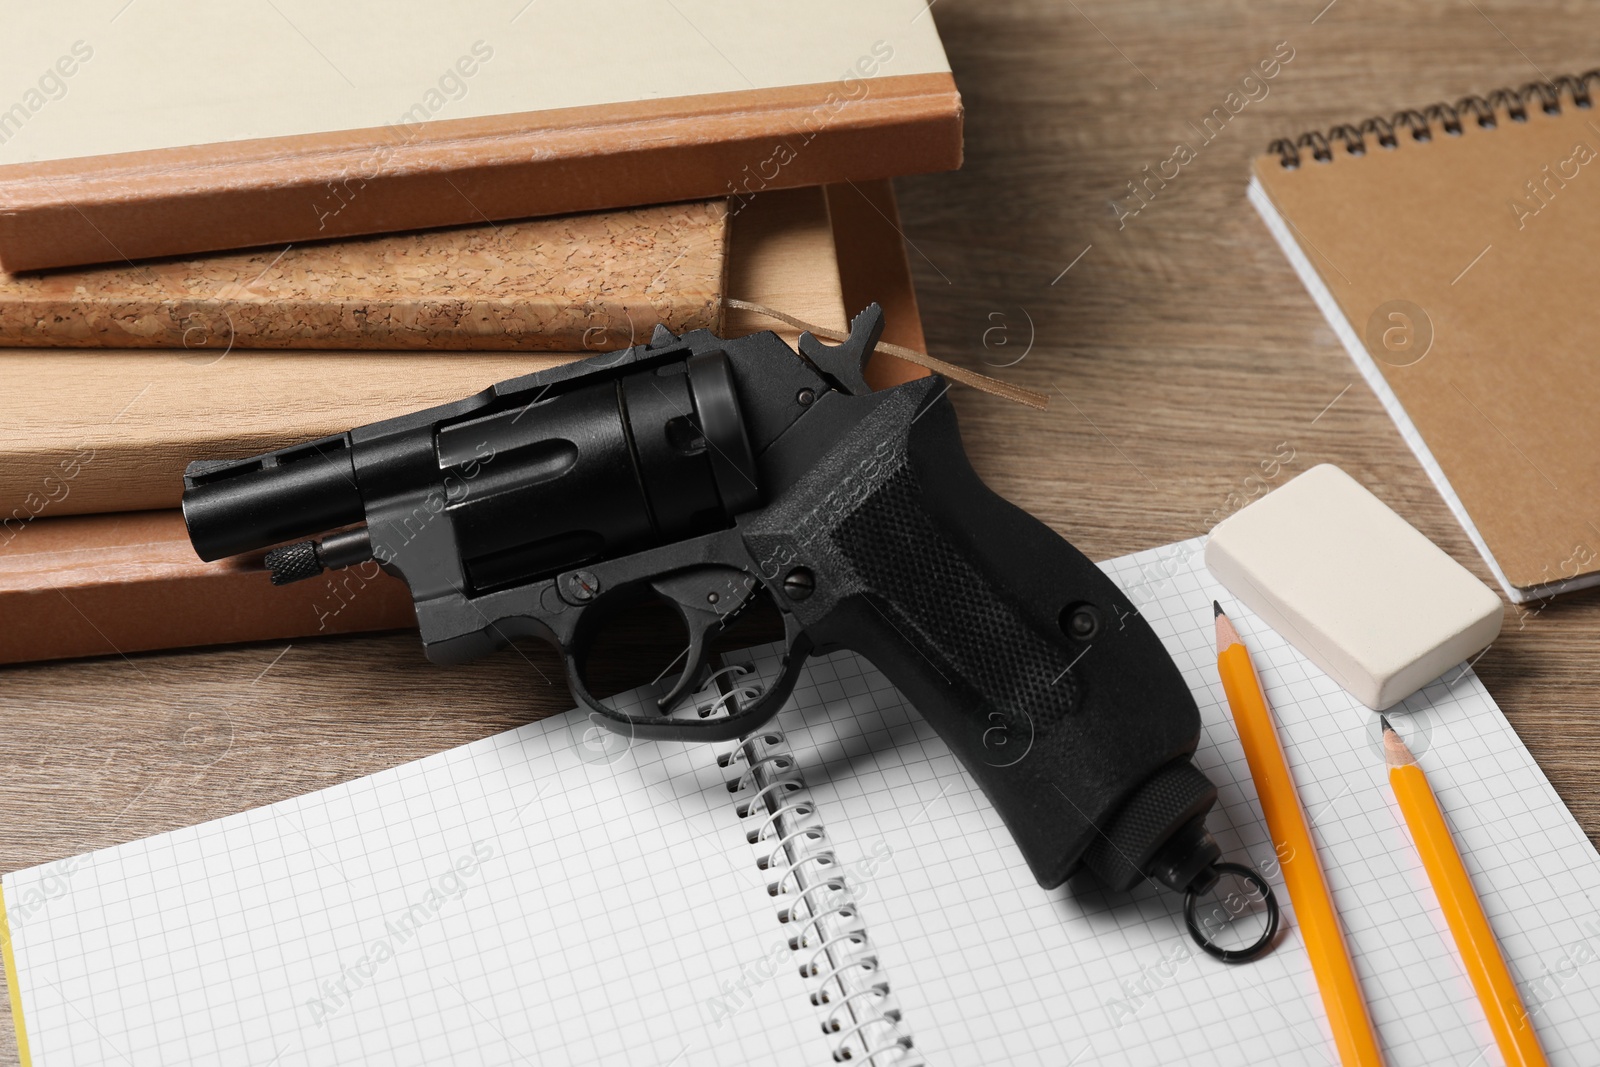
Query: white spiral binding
x=830 y=941
x=712 y=699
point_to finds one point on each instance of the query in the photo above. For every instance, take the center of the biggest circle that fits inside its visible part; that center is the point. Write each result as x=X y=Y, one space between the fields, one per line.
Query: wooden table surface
x=1180 y=352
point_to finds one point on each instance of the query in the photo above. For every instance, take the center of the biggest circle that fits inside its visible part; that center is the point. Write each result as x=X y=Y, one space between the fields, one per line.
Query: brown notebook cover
x=264 y=124
x=565 y=284
x=95 y=585
x=99 y=585
x=1454 y=252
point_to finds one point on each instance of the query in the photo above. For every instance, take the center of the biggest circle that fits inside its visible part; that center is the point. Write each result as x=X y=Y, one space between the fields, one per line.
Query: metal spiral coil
x=829 y=941
x=1449 y=119
x=716 y=695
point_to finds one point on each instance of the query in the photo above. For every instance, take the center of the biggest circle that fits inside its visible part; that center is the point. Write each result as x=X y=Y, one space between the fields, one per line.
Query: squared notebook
x=1453 y=252
x=543 y=897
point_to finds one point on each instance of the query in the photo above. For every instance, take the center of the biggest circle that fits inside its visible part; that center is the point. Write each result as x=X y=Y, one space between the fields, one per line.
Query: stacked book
x=337 y=236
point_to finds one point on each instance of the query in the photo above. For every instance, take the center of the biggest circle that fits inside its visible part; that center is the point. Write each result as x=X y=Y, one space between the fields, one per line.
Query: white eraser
x=1353 y=586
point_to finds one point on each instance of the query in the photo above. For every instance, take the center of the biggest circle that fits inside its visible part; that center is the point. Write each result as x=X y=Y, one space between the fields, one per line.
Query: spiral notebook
x=1452 y=249
x=833 y=888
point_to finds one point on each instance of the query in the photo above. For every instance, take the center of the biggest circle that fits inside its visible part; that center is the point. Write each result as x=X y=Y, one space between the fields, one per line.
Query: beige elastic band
x=993 y=386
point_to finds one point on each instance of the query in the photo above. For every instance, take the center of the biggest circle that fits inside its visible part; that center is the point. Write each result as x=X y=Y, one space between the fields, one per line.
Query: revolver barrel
x=234 y=506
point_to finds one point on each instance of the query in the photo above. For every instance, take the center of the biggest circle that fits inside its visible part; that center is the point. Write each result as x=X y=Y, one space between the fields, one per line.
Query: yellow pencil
x=1291 y=836
x=1480 y=952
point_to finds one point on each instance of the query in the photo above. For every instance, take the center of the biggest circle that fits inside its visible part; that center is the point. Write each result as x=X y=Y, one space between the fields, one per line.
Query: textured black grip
x=965 y=601
x=976 y=637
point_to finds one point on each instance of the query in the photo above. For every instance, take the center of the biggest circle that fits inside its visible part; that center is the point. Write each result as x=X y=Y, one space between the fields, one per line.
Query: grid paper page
x=528 y=898
x=570 y=942
x=989 y=968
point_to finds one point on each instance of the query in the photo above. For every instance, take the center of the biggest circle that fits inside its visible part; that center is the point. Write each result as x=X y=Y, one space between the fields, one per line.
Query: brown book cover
x=102 y=585
x=571 y=283
x=1453 y=252
x=96 y=585
x=355 y=118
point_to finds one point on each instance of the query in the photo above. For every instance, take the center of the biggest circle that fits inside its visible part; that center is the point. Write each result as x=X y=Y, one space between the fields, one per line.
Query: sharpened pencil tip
x=1216 y=609
x=1395 y=752
x=1226 y=635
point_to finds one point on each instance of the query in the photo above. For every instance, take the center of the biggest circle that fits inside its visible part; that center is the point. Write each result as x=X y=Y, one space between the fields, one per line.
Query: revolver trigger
x=692 y=670
x=707 y=599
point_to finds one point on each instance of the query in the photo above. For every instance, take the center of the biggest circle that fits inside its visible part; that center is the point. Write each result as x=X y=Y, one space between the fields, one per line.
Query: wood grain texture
x=563 y=284
x=1179 y=351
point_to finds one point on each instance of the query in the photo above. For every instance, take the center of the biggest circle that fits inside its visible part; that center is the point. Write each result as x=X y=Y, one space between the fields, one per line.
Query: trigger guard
x=749 y=717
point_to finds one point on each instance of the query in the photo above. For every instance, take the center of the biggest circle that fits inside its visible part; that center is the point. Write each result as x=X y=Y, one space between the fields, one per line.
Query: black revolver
x=708 y=472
